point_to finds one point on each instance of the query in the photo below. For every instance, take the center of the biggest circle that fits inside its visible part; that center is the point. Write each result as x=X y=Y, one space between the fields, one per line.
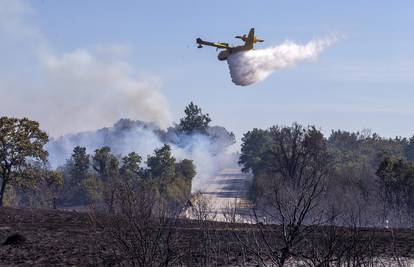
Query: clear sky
x=363 y=81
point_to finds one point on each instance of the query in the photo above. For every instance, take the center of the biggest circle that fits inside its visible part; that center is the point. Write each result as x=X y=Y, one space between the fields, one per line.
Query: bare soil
x=66 y=238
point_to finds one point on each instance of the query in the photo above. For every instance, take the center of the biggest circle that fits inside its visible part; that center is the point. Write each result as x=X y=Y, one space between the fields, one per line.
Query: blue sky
x=363 y=81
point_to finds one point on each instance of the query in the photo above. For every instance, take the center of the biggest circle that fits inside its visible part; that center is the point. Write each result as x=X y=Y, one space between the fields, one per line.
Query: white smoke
x=200 y=149
x=66 y=91
x=143 y=138
x=255 y=65
x=85 y=89
x=92 y=89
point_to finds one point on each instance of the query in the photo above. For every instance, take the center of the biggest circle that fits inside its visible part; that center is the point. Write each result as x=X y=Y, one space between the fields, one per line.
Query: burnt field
x=64 y=238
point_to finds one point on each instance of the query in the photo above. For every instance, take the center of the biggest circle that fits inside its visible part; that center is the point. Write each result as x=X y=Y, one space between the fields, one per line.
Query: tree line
x=28 y=180
x=313 y=196
x=357 y=170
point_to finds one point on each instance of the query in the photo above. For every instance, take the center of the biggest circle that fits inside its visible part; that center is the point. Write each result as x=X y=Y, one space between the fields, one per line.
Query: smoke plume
x=87 y=88
x=82 y=89
x=209 y=153
x=255 y=65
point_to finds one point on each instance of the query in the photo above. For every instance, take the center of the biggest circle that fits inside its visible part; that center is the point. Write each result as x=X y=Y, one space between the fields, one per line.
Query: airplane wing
x=250 y=39
x=217 y=45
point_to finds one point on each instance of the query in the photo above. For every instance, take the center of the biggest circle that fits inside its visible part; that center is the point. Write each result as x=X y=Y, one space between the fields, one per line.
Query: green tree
x=41 y=193
x=101 y=161
x=107 y=167
x=53 y=183
x=76 y=172
x=396 y=179
x=131 y=164
x=94 y=188
x=162 y=163
x=185 y=169
x=409 y=149
x=131 y=173
x=80 y=164
x=194 y=121
x=256 y=144
x=21 y=144
x=298 y=154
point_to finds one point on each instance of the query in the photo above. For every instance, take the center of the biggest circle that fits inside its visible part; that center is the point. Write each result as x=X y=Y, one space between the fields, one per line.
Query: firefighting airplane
x=249 y=40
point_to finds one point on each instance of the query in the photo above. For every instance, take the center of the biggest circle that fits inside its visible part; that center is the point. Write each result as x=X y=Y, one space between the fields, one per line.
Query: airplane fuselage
x=224 y=55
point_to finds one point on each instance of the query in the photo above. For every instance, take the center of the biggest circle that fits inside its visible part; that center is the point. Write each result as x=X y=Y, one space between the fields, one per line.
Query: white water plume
x=255 y=65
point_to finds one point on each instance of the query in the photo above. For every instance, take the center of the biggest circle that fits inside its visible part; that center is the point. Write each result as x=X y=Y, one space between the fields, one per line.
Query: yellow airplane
x=249 y=40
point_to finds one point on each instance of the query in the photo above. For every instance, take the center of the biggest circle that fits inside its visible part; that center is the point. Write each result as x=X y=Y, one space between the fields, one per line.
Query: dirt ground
x=229 y=188
x=54 y=238
x=66 y=238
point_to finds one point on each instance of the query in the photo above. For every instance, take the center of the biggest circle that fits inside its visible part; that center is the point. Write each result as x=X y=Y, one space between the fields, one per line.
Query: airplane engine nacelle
x=223 y=55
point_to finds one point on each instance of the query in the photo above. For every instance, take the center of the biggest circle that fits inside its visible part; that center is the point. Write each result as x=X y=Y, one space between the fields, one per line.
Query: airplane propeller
x=241 y=37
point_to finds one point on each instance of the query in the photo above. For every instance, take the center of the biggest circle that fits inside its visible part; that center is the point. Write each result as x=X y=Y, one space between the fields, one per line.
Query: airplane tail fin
x=250 y=39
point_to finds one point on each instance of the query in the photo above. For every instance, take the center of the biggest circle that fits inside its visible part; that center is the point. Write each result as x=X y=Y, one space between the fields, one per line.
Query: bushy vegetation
x=313 y=195
x=28 y=180
x=23 y=162
x=100 y=179
x=364 y=171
